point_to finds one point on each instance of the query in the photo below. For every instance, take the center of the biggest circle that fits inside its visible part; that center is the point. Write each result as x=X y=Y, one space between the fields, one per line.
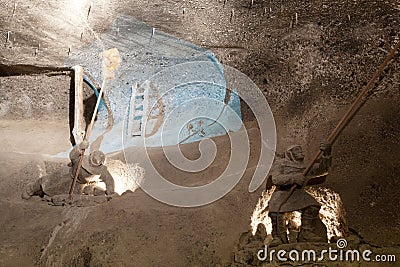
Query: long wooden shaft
x=87 y=136
x=354 y=108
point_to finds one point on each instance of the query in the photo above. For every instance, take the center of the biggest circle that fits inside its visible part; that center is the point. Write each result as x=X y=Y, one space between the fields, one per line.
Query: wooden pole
x=87 y=136
x=354 y=108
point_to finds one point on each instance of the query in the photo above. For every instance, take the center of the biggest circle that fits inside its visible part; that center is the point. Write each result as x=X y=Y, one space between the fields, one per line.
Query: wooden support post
x=79 y=123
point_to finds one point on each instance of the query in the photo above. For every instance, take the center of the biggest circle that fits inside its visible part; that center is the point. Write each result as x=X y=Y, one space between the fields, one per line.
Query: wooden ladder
x=138 y=109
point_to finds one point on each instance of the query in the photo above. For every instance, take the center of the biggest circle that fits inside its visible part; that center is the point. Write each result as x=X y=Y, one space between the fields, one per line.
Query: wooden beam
x=79 y=123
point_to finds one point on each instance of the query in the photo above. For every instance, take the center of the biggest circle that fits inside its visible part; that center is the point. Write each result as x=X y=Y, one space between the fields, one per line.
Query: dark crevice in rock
x=26 y=69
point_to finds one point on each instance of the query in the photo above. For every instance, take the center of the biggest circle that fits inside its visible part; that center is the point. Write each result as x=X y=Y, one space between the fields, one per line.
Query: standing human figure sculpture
x=284 y=199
